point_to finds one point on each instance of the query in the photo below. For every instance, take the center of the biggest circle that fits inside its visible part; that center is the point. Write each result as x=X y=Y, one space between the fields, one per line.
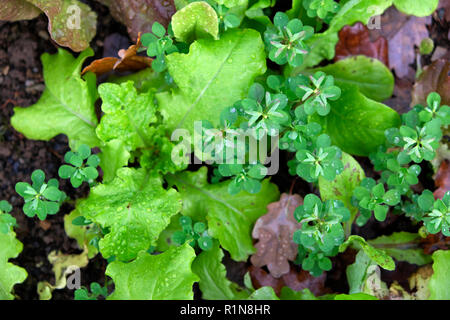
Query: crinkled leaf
x=230 y=217
x=67 y=104
x=135 y=207
x=166 y=276
x=213 y=282
x=10 y=274
x=83 y=234
x=71 y=23
x=356 y=123
x=139 y=16
x=198 y=20
x=275 y=231
x=114 y=156
x=402 y=246
x=214 y=75
x=439 y=284
x=377 y=255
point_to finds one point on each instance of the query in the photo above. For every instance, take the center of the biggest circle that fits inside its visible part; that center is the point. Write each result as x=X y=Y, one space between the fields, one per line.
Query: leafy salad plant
x=235 y=66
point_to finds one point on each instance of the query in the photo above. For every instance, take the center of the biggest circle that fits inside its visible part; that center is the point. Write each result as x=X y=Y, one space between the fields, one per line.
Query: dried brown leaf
x=71 y=23
x=275 y=231
x=355 y=40
x=403 y=32
x=129 y=61
x=434 y=78
x=442 y=180
x=139 y=15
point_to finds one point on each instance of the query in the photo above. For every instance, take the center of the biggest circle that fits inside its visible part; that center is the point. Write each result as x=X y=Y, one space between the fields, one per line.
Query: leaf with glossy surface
x=213 y=282
x=67 y=104
x=166 y=276
x=356 y=124
x=439 y=284
x=230 y=217
x=198 y=20
x=10 y=274
x=135 y=207
x=402 y=246
x=214 y=75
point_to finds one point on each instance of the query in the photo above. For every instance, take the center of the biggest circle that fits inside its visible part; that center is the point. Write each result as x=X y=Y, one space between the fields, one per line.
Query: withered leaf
x=355 y=40
x=435 y=242
x=129 y=61
x=434 y=78
x=14 y=10
x=442 y=180
x=275 y=231
x=403 y=32
x=296 y=280
x=139 y=15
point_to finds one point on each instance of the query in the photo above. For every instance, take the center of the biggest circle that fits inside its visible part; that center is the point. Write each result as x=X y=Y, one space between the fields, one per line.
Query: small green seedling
x=77 y=170
x=195 y=234
x=41 y=198
x=96 y=291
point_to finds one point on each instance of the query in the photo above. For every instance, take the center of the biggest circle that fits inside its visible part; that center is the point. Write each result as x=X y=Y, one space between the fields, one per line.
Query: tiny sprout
x=78 y=171
x=41 y=198
x=196 y=234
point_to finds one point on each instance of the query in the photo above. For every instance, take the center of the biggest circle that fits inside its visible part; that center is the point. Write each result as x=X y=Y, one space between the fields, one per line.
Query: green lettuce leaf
x=114 y=156
x=356 y=124
x=214 y=75
x=230 y=217
x=198 y=20
x=135 y=207
x=82 y=234
x=213 y=282
x=67 y=104
x=371 y=76
x=416 y=8
x=166 y=276
x=439 y=284
x=10 y=274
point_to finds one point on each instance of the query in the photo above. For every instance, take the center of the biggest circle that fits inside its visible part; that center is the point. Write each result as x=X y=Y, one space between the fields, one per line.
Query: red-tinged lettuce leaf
x=139 y=15
x=71 y=23
x=67 y=104
x=13 y=10
x=166 y=276
x=275 y=231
